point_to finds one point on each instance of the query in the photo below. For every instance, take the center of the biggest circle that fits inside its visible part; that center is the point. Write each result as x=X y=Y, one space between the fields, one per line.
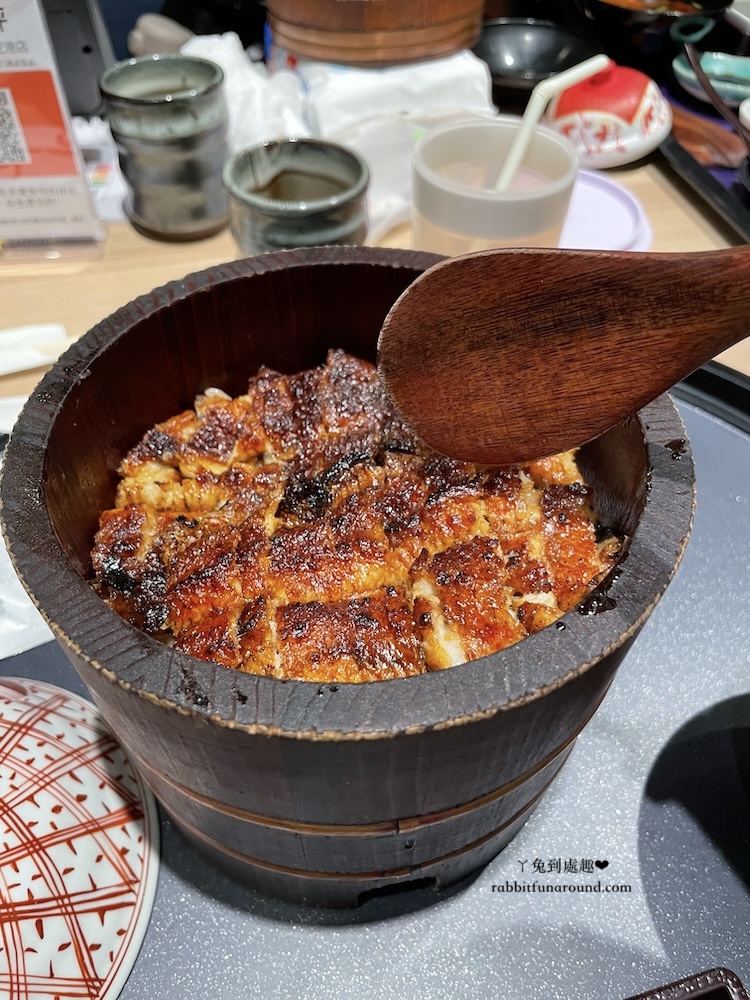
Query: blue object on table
x=729 y=75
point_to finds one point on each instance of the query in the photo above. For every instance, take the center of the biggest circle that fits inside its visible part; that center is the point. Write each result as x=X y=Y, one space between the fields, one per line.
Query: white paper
x=28 y=347
x=21 y=625
x=10 y=409
x=338 y=97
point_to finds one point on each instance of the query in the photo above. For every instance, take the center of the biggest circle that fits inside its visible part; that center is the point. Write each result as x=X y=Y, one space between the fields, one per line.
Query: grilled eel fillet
x=301 y=531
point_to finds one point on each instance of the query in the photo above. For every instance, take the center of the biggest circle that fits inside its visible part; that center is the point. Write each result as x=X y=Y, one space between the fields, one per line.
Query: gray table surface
x=658 y=786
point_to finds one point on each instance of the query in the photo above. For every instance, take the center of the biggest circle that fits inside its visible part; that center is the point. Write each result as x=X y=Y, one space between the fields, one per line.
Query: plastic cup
x=455 y=209
x=296 y=193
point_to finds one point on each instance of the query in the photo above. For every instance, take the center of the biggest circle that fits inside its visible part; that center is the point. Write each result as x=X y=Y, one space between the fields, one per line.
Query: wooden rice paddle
x=504 y=356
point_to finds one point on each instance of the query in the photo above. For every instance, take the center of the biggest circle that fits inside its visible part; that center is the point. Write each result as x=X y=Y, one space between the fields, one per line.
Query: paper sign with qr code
x=44 y=194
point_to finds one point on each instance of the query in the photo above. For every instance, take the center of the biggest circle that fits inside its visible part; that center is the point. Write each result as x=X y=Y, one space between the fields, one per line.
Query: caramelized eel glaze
x=302 y=531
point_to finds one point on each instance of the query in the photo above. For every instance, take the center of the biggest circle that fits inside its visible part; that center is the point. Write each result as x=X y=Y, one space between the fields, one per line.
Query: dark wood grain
x=322 y=793
x=504 y=356
x=707 y=141
x=364 y=33
x=717 y=984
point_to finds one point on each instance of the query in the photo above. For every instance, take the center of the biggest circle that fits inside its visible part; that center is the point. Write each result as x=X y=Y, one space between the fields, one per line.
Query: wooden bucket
x=374 y=32
x=320 y=793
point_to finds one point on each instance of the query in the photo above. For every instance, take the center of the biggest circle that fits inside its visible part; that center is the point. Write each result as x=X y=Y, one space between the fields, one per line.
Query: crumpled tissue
x=296 y=97
x=261 y=106
x=338 y=97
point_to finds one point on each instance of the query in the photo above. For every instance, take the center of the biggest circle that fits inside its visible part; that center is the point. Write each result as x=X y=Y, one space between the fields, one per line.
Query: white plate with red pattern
x=79 y=848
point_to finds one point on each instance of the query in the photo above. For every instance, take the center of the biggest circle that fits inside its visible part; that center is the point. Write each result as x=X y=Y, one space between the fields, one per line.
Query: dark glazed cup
x=296 y=193
x=168 y=117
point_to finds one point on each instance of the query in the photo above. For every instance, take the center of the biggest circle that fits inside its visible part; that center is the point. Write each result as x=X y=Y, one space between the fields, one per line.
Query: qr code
x=12 y=143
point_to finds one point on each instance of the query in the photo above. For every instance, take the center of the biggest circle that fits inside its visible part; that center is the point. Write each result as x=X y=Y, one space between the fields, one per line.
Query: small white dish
x=729 y=75
x=78 y=848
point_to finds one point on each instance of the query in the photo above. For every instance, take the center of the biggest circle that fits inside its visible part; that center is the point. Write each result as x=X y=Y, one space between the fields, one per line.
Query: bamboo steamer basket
x=319 y=793
x=374 y=32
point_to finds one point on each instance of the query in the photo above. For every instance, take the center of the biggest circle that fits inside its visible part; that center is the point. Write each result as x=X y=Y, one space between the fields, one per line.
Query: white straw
x=541 y=95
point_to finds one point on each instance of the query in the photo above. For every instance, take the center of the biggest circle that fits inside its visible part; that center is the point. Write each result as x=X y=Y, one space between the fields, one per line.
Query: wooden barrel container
x=320 y=793
x=374 y=32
